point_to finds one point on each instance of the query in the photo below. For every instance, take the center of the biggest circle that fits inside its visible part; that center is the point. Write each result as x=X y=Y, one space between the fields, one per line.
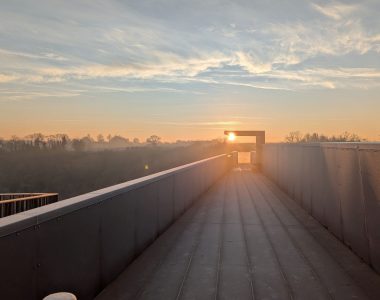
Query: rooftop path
x=245 y=239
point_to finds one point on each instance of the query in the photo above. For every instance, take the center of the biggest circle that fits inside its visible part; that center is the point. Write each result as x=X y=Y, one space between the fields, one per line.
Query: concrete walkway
x=245 y=239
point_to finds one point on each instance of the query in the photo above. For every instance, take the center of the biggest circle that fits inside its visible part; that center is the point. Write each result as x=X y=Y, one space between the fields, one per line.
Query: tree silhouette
x=154 y=140
x=297 y=137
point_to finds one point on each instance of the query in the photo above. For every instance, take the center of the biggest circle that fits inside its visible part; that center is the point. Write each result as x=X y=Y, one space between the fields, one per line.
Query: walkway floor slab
x=245 y=239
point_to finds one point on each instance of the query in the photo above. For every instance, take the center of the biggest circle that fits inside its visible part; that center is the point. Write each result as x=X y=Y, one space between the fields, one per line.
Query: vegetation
x=63 y=165
x=57 y=163
x=298 y=137
x=38 y=141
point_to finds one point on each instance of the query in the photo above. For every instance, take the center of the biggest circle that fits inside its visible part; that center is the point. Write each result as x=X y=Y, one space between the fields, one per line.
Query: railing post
x=15 y=203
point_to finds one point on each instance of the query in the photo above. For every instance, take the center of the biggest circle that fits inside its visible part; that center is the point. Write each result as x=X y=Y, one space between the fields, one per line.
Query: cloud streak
x=335 y=10
x=138 y=46
x=7 y=78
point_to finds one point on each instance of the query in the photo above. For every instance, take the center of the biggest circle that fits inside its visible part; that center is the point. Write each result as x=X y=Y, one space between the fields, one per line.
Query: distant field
x=71 y=173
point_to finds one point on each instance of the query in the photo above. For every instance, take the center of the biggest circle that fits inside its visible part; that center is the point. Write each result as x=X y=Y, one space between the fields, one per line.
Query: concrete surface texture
x=245 y=239
x=338 y=184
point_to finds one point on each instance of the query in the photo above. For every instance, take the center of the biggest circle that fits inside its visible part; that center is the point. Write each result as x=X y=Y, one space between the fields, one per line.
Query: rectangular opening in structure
x=244 y=158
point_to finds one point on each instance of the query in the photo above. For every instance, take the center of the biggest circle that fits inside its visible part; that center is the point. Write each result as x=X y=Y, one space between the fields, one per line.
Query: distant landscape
x=73 y=166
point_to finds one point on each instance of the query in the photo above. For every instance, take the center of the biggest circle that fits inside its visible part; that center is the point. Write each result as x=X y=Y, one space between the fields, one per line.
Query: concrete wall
x=338 y=184
x=81 y=244
x=235 y=159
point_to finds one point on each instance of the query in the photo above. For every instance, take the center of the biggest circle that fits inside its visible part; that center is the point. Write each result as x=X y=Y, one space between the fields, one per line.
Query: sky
x=189 y=69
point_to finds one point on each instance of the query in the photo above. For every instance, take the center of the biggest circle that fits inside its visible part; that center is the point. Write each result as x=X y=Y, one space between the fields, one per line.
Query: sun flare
x=231 y=136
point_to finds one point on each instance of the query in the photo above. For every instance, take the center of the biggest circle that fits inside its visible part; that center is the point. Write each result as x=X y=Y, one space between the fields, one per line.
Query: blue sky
x=189 y=69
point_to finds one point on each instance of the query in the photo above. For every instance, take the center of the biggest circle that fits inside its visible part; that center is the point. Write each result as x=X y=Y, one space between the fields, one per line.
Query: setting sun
x=231 y=136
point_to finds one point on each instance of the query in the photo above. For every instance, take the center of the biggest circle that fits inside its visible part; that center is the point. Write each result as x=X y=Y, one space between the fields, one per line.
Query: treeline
x=71 y=173
x=298 y=137
x=38 y=141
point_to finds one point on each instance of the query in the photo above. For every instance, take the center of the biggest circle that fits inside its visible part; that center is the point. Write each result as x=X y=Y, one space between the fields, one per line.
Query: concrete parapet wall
x=338 y=184
x=235 y=158
x=81 y=244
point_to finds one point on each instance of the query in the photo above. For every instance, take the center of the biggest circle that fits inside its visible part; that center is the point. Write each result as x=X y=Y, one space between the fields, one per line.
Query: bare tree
x=100 y=138
x=294 y=137
x=154 y=140
x=297 y=137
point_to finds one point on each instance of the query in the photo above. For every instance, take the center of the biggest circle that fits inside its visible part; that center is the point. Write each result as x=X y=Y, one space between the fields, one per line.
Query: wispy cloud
x=215 y=123
x=135 y=47
x=9 y=95
x=248 y=74
x=136 y=89
x=46 y=55
x=335 y=10
x=7 y=78
x=251 y=63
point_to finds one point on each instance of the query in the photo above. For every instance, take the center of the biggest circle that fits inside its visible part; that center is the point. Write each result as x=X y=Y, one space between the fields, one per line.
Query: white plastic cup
x=60 y=296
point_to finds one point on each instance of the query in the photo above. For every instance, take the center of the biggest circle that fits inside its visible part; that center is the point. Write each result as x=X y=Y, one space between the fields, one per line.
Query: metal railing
x=14 y=203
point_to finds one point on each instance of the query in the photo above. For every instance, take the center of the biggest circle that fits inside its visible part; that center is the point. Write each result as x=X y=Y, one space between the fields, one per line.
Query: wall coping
x=335 y=145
